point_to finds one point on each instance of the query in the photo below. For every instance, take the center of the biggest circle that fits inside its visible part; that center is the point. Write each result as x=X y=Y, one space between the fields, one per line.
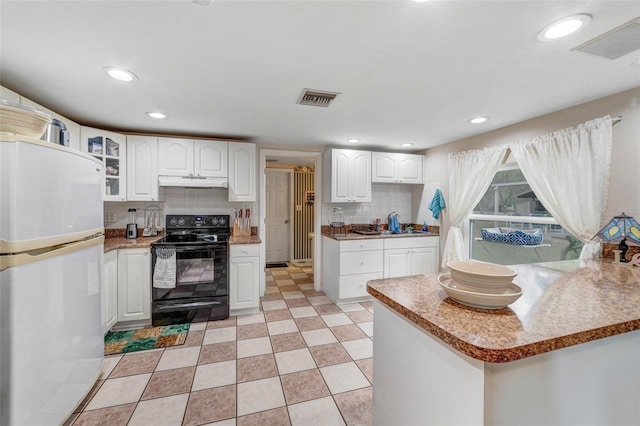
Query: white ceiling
x=406 y=71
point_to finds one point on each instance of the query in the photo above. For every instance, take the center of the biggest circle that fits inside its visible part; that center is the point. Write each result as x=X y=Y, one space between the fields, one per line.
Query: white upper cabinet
x=348 y=173
x=242 y=171
x=110 y=148
x=194 y=158
x=210 y=158
x=175 y=157
x=397 y=168
x=142 y=168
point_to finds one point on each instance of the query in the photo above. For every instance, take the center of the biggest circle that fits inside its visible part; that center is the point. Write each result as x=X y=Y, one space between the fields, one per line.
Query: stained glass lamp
x=619 y=229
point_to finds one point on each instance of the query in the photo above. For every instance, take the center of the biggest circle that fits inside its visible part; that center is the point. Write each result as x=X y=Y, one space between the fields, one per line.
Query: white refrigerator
x=51 y=250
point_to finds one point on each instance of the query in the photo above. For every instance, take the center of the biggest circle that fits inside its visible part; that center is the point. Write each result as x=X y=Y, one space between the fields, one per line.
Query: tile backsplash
x=385 y=198
x=178 y=201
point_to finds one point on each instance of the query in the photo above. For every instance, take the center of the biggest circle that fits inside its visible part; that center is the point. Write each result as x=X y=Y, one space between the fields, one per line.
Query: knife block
x=242 y=227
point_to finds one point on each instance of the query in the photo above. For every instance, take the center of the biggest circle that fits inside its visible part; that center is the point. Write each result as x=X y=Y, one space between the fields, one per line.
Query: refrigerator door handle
x=14 y=260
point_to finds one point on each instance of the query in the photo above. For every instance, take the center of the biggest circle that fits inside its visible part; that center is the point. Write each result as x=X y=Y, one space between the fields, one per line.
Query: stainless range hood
x=193 y=181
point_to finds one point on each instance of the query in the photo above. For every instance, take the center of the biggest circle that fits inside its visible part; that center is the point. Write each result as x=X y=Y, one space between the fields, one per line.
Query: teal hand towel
x=437 y=204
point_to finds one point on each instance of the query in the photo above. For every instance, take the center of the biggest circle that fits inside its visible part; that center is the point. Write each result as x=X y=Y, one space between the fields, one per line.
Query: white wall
x=624 y=195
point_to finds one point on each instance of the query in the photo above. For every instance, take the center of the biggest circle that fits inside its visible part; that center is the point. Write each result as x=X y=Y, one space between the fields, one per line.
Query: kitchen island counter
x=566 y=352
x=562 y=304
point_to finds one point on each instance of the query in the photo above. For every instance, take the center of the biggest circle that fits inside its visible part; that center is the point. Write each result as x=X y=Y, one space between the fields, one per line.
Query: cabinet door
x=243 y=282
x=110 y=148
x=410 y=168
x=361 y=176
x=175 y=157
x=210 y=158
x=424 y=261
x=242 y=171
x=383 y=167
x=397 y=263
x=110 y=291
x=142 y=168
x=340 y=176
x=134 y=284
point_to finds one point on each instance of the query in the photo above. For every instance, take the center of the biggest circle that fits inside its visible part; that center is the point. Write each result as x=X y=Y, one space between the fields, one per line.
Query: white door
x=277 y=216
x=410 y=168
x=134 y=284
x=242 y=171
x=360 y=185
x=423 y=261
x=383 y=167
x=396 y=263
x=244 y=280
x=210 y=158
x=142 y=168
x=175 y=157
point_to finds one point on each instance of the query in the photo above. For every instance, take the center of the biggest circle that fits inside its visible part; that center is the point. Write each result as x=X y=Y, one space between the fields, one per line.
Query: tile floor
x=301 y=361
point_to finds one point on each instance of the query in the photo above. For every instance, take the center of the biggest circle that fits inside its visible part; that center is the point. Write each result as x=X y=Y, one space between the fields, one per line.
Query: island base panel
x=420 y=380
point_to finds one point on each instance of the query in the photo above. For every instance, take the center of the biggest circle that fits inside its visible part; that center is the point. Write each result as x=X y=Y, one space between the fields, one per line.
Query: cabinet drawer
x=360 y=262
x=356 y=285
x=244 y=250
x=409 y=242
x=361 y=245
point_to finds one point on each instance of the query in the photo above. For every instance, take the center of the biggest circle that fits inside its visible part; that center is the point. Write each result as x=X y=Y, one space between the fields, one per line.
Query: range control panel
x=197 y=221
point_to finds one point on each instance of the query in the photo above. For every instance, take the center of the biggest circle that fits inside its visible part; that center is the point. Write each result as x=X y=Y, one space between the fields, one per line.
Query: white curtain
x=569 y=173
x=470 y=174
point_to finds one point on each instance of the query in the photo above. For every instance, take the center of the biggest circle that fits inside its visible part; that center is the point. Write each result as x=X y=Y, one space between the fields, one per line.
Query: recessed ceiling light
x=120 y=74
x=564 y=27
x=157 y=115
x=478 y=120
x=406 y=145
x=353 y=140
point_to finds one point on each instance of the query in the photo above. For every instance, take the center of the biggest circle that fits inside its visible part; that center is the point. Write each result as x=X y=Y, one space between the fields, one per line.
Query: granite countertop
x=115 y=243
x=352 y=236
x=563 y=304
x=249 y=239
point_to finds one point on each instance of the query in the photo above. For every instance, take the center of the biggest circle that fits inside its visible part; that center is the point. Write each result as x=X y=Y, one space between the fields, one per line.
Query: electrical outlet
x=109 y=218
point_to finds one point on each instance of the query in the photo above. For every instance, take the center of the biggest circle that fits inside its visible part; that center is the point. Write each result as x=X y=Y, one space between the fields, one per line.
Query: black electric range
x=190 y=270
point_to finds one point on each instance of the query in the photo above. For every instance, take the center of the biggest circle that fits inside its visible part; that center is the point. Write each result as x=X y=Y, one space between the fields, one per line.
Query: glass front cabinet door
x=108 y=147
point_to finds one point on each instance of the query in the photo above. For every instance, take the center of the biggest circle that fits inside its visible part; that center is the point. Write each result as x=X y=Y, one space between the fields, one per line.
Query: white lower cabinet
x=110 y=291
x=134 y=284
x=244 y=278
x=410 y=256
x=348 y=265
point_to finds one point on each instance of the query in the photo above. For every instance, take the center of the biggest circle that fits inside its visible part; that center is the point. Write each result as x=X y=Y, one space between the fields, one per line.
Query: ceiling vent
x=615 y=43
x=317 y=98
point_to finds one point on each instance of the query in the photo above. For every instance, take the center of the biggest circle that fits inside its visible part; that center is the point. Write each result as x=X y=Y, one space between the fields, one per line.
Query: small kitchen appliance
x=57 y=133
x=132 y=227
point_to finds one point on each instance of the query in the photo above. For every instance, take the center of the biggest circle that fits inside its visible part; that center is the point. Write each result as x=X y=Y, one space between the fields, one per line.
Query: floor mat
x=116 y=342
x=277 y=265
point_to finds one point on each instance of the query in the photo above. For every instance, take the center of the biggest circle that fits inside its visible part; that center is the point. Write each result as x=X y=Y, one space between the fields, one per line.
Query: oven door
x=201 y=290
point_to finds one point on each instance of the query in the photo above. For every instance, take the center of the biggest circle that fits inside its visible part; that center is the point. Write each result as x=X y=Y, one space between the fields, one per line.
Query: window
x=517 y=227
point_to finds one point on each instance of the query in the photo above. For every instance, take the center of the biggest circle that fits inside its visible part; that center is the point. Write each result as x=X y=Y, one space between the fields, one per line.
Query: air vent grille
x=317 y=98
x=615 y=43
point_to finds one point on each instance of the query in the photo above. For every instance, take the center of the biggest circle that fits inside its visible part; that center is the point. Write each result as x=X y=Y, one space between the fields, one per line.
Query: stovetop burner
x=196 y=229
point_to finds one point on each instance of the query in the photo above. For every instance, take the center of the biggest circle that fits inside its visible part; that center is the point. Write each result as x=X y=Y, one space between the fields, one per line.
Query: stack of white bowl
x=481 y=277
